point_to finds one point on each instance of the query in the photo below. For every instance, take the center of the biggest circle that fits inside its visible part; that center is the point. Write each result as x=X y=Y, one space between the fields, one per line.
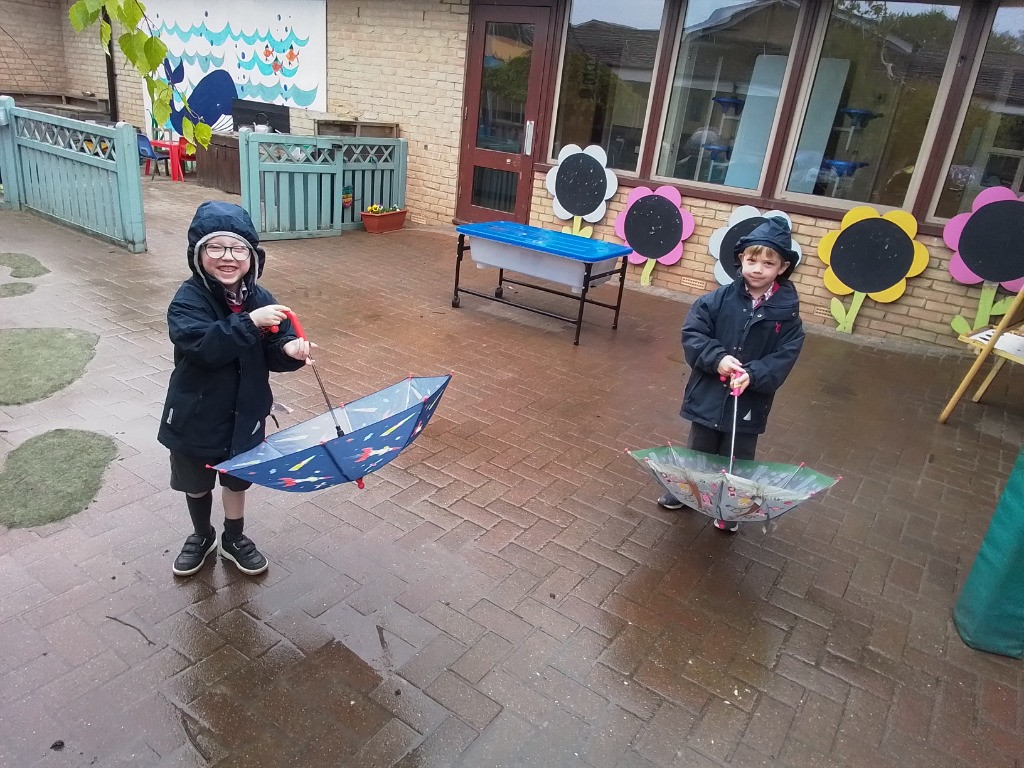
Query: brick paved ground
x=506 y=592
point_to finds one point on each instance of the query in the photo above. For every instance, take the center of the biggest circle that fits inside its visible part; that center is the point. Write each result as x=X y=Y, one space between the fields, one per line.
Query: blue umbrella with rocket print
x=344 y=444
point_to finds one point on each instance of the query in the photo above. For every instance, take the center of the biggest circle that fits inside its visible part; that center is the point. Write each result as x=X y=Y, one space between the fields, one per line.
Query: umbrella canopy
x=310 y=456
x=753 y=491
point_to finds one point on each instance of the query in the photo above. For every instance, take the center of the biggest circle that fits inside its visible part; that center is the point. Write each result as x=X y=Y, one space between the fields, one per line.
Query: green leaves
x=81 y=17
x=838 y=311
x=143 y=49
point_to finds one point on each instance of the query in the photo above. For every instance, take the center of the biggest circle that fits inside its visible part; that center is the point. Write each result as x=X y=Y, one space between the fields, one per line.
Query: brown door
x=504 y=84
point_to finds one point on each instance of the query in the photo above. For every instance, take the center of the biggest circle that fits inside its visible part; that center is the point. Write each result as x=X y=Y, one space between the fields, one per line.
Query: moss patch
x=23 y=265
x=15 y=289
x=52 y=476
x=36 y=362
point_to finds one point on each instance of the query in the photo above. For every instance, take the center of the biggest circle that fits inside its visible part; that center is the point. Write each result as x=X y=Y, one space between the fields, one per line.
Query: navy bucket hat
x=773 y=232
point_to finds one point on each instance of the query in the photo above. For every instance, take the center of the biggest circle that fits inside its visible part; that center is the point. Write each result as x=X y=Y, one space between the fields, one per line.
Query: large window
x=876 y=84
x=607 y=73
x=990 y=149
x=725 y=91
x=823 y=103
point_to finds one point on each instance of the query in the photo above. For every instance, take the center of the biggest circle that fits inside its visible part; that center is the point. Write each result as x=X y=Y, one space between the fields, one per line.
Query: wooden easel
x=988 y=341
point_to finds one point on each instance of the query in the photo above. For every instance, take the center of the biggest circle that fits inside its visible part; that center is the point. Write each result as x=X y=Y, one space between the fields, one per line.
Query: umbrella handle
x=295 y=324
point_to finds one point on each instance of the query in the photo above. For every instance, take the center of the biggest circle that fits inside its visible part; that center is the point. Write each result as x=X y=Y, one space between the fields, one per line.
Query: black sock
x=233 y=528
x=200 y=511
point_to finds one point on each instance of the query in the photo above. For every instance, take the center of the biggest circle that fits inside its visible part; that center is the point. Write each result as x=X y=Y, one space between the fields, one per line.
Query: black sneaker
x=192 y=556
x=243 y=553
x=668 y=501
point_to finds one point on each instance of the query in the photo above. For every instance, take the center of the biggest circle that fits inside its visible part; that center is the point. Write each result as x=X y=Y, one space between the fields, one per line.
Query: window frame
x=757 y=192
x=559 y=64
x=928 y=140
x=956 y=86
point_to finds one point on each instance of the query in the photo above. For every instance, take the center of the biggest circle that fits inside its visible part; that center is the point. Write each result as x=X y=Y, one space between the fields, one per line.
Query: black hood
x=218 y=216
x=775 y=233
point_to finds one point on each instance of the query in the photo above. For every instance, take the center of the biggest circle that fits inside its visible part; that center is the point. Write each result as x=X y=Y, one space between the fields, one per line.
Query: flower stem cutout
x=580 y=184
x=986 y=250
x=654 y=225
x=870 y=256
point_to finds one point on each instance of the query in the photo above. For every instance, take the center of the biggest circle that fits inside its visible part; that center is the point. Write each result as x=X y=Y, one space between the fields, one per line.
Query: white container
x=557 y=269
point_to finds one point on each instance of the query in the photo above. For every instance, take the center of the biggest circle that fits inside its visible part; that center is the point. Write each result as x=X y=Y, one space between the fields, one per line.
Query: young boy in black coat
x=746 y=336
x=219 y=394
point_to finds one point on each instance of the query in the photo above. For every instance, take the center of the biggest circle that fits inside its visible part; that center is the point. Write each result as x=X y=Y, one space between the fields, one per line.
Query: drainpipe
x=111 y=75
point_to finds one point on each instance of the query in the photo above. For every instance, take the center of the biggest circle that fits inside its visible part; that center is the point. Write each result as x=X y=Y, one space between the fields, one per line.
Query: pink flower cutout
x=654 y=224
x=954 y=229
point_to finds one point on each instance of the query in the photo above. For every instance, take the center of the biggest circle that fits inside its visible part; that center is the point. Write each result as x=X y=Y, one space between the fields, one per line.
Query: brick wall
x=404 y=61
x=86 y=61
x=923 y=313
x=33 y=61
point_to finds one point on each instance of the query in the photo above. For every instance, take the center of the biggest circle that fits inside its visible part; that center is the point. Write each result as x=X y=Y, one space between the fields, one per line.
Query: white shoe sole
x=247 y=571
x=199 y=567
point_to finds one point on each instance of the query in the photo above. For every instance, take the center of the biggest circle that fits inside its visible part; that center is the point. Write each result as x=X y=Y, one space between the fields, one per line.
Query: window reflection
x=607 y=71
x=725 y=91
x=990 y=148
x=875 y=88
x=508 y=50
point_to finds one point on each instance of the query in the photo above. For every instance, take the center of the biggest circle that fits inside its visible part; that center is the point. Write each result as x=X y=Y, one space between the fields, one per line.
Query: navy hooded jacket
x=766 y=341
x=219 y=393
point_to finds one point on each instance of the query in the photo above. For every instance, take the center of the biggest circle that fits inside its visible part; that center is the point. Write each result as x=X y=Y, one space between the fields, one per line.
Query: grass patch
x=23 y=265
x=36 y=362
x=15 y=289
x=52 y=476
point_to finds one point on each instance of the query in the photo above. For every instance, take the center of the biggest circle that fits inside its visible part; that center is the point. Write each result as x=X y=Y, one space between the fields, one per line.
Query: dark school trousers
x=709 y=440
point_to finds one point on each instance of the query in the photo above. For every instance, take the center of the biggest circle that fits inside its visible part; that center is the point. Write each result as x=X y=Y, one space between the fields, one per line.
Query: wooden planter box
x=377 y=223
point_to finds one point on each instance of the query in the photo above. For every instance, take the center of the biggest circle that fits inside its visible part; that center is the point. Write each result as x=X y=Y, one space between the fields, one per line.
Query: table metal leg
x=583 y=303
x=618 y=301
x=458 y=267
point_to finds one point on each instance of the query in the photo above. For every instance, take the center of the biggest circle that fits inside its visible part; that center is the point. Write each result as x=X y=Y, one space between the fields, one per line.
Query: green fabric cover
x=990 y=613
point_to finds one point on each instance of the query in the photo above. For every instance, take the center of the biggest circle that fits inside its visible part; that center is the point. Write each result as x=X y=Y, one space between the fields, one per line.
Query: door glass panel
x=508 y=49
x=607 y=71
x=990 y=150
x=495 y=189
x=725 y=91
x=874 y=92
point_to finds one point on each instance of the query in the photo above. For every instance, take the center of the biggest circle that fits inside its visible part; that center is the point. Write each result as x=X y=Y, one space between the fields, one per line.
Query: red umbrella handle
x=295 y=324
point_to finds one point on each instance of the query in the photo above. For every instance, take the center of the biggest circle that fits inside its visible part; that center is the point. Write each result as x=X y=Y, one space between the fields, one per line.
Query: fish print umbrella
x=732 y=490
x=344 y=444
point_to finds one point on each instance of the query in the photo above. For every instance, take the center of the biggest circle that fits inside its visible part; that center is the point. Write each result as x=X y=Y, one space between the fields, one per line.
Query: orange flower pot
x=378 y=223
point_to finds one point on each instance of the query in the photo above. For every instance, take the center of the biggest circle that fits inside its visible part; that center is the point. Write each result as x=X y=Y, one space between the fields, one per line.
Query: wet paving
x=506 y=592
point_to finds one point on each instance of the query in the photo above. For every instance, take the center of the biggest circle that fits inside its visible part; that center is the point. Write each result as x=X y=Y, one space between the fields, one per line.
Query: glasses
x=237 y=252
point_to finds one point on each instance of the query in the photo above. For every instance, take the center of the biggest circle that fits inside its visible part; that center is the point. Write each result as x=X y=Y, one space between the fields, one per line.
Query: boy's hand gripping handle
x=293 y=318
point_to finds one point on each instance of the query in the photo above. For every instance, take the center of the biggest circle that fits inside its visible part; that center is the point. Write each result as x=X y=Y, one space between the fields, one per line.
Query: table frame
x=582 y=298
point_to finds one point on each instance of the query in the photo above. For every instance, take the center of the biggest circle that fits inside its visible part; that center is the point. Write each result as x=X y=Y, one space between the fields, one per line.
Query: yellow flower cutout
x=870 y=255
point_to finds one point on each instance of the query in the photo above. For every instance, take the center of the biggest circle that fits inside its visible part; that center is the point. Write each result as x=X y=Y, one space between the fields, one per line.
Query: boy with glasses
x=219 y=394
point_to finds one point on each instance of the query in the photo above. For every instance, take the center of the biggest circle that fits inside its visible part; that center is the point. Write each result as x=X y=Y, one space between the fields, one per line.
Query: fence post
x=401 y=169
x=129 y=187
x=248 y=159
x=10 y=166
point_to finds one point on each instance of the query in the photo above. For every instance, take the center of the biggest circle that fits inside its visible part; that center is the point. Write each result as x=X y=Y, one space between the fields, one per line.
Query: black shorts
x=191 y=475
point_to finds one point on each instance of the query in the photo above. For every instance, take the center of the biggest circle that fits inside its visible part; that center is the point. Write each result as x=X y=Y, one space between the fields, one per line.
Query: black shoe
x=727 y=527
x=192 y=556
x=243 y=553
x=668 y=501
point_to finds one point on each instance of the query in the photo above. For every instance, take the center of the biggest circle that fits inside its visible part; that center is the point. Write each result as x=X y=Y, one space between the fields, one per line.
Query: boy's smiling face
x=233 y=264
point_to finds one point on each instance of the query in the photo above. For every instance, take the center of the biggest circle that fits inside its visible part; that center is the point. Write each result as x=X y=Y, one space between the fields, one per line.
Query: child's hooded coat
x=219 y=394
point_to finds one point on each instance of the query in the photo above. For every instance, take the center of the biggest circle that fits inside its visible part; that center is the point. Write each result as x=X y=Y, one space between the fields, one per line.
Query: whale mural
x=241 y=49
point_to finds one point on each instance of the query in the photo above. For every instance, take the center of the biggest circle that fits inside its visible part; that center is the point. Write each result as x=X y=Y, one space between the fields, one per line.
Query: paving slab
x=506 y=592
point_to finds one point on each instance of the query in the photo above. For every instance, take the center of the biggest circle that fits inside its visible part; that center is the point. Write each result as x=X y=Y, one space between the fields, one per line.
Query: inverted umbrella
x=344 y=444
x=732 y=489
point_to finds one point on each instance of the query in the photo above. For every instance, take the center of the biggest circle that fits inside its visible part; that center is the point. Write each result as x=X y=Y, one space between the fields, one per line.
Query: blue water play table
x=578 y=263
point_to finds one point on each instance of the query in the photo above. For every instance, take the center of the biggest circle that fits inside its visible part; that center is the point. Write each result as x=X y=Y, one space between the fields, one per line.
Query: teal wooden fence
x=77 y=173
x=317 y=186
